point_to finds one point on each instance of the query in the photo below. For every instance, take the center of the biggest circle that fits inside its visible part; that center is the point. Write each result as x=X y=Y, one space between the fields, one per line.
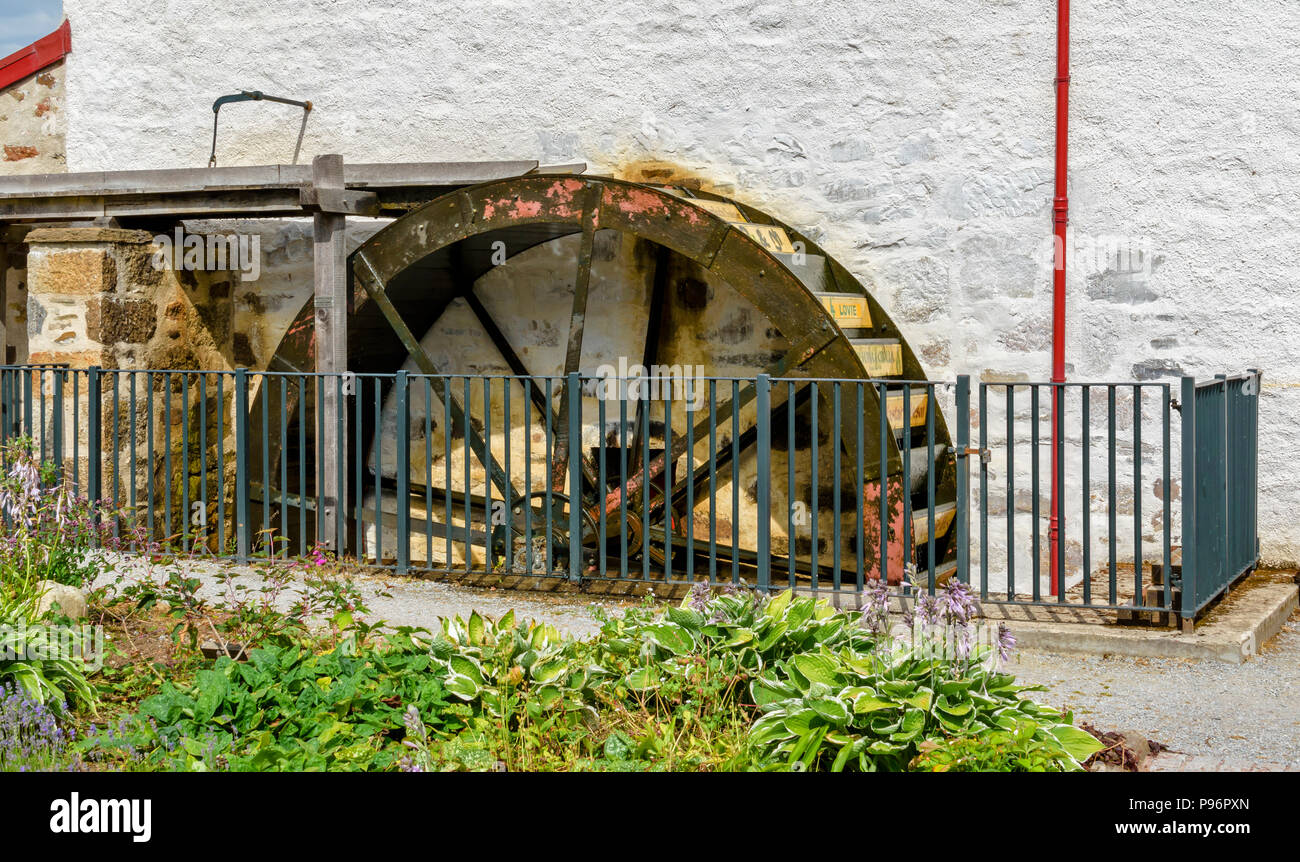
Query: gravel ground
x=399 y=601
x=1238 y=716
x=1247 y=715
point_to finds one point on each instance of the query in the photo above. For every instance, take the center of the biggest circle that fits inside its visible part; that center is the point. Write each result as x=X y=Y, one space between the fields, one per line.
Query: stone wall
x=97 y=297
x=33 y=123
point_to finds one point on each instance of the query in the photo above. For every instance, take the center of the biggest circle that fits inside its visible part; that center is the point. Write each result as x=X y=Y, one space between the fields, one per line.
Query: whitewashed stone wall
x=33 y=123
x=913 y=139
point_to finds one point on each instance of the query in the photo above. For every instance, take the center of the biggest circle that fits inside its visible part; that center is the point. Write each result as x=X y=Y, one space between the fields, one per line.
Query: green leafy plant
x=735 y=681
x=286 y=708
x=1017 y=749
x=873 y=710
x=50 y=535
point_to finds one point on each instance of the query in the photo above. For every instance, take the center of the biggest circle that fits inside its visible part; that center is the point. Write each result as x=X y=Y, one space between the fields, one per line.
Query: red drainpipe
x=1060 y=219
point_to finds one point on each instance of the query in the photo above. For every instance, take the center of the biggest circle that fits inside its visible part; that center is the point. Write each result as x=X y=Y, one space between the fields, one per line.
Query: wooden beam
x=361 y=176
x=330 y=258
x=258 y=191
x=316 y=199
x=4 y=298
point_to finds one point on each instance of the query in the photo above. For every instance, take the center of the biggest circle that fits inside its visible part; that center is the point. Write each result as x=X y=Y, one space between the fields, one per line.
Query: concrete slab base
x=1232 y=632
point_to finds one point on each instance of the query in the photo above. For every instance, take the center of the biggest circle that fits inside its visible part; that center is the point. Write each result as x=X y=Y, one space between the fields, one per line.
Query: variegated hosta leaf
x=673 y=638
x=642 y=679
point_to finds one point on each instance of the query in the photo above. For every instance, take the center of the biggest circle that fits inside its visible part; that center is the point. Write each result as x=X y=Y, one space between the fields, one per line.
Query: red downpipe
x=1060 y=219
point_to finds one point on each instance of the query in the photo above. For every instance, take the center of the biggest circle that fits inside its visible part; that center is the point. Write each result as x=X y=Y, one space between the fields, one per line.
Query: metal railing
x=771 y=482
x=1220 y=484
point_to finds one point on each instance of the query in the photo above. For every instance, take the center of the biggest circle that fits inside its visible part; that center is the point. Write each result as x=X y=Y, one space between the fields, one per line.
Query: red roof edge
x=36 y=56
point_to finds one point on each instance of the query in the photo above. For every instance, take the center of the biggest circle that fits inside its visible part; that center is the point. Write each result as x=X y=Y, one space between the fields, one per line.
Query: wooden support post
x=331 y=281
x=4 y=297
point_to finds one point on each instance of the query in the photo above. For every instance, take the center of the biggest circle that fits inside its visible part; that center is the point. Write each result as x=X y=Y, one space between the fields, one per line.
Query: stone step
x=944 y=515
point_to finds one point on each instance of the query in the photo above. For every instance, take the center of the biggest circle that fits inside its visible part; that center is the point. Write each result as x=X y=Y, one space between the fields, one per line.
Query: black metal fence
x=671 y=479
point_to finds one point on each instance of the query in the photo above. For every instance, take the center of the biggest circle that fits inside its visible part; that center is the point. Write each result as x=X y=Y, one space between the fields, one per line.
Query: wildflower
x=31 y=738
x=1006 y=642
x=875 y=608
x=700 y=593
x=956 y=604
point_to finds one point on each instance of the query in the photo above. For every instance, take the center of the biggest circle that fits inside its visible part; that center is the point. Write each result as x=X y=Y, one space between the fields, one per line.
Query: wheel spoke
x=802 y=353
x=577 y=325
x=375 y=289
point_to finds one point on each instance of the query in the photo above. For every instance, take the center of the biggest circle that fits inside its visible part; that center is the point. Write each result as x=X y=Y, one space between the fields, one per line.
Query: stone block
x=73 y=359
x=69 y=599
x=138 y=265
x=110 y=320
x=84 y=235
x=71 y=271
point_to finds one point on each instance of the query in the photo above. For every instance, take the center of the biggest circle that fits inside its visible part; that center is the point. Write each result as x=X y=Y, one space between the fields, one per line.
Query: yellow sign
x=848 y=311
x=894 y=408
x=769 y=237
x=881 y=358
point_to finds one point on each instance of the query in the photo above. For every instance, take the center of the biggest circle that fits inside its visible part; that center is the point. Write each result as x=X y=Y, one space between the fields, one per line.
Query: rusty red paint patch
x=640 y=202
x=871 y=530
x=563 y=195
x=17 y=154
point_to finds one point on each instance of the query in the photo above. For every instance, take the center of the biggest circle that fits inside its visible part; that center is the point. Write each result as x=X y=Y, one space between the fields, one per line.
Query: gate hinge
x=984 y=454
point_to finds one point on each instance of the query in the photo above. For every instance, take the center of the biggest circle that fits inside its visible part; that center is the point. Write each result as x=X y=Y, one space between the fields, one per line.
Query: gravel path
x=398 y=601
x=1239 y=716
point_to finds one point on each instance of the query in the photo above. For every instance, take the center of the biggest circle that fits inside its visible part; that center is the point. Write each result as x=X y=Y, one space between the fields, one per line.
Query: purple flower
x=956 y=604
x=700 y=594
x=31 y=737
x=875 y=608
x=1006 y=642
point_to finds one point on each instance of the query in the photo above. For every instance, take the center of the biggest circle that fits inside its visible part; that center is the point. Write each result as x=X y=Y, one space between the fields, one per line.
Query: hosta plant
x=911 y=693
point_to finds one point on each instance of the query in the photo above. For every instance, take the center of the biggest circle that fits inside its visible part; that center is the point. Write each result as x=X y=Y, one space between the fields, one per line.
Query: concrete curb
x=1232 y=633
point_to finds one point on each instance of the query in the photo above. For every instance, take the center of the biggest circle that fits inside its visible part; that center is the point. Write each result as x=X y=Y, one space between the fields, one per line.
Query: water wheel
x=529 y=280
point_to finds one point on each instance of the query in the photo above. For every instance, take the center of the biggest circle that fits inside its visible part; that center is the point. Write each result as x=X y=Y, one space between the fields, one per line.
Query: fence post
x=963 y=478
x=27 y=403
x=243 y=528
x=1225 y=520
x=1253 y=460
x=402 y=441
x=763 y=394
x=573 y=396
x=1187 y=414
x=56 y=420
x=94 y=436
